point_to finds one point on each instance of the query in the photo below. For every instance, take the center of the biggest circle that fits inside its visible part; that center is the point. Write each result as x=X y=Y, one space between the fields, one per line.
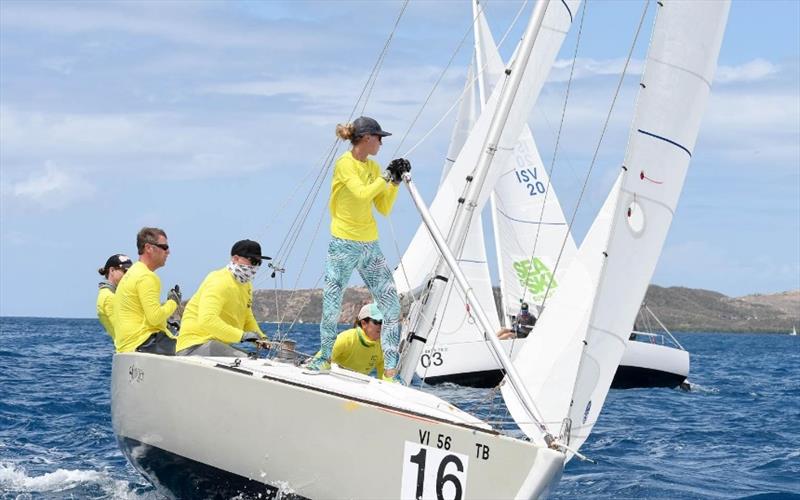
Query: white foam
x=13 y=478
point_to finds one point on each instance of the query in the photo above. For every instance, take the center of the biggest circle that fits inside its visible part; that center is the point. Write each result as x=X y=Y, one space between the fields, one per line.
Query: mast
x=461 y=280
x=463 y=215
x=480 y=63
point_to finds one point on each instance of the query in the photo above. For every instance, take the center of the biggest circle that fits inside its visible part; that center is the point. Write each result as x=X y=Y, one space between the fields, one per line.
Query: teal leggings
x=344 y=256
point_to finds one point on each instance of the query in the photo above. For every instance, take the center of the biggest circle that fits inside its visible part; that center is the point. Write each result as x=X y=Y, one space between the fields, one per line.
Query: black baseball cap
x=118 y=260
x=249 y=249
x=365 y=125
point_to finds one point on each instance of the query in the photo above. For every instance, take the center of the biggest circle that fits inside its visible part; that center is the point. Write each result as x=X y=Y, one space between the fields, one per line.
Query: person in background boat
x=139 y=317
x=221 y=311
x=506 y=333
x=524 y=322
x=116 y=267
x=357 y=187
x=359 y=348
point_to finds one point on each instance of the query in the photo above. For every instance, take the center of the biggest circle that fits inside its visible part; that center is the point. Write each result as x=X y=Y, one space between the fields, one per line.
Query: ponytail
x=345 y=132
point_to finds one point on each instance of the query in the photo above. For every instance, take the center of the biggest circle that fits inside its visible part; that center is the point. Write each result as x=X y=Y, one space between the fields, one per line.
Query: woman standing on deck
x=357 y=186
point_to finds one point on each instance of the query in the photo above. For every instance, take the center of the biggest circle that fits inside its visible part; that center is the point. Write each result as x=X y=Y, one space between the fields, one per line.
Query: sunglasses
x=254 y=261
x=376 y=321
x=162 y=246
x=380 y=139
x=123 y=269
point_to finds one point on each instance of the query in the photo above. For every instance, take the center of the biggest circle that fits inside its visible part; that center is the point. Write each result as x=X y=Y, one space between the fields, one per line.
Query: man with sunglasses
x=359 y=348
x=139 y=317
x=221 y=311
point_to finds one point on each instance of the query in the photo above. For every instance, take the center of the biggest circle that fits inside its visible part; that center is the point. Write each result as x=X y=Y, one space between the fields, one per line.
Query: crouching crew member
x=116 y=267
x=221 y=312
x=359 y=349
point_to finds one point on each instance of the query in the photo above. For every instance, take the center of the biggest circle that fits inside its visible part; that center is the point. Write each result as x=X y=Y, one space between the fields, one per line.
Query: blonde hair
x=346 y=132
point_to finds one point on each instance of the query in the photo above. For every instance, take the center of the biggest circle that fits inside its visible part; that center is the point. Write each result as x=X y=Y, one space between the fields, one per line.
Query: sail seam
x=530 y=221
x=685 y=70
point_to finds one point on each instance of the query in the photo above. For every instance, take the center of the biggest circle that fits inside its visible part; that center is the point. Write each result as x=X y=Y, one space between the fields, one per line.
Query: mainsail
x=568 y=365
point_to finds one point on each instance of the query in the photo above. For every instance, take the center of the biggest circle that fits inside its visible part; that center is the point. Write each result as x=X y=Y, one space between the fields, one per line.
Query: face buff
x=243 y=273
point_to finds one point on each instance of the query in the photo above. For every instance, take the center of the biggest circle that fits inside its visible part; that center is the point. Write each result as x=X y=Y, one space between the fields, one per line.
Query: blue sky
x=204 y=118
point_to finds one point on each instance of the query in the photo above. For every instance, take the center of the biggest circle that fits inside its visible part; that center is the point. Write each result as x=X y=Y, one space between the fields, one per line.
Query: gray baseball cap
x=365 y=125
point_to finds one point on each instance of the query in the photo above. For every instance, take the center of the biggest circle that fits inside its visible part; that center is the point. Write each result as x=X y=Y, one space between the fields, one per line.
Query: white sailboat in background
x=203 y=427
x=794 y=331
x=531 y=236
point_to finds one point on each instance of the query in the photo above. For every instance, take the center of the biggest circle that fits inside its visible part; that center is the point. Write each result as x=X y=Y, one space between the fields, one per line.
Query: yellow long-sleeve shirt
x=355 y=351
x=221 y=309
x=356 y=187
x=105 y=307
x=138 y=311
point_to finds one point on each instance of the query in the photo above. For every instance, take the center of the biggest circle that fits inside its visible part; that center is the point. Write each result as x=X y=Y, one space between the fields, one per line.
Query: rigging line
x=367 y=90
x=602 y=135
x=382 y=56
x=553 y=161
x=299 y=218
x=467 y=88
x=316 y=186
x=435 y=85
x=305 y=262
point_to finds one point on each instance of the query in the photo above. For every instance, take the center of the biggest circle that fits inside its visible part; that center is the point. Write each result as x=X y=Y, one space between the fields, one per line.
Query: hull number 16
x=431 y=473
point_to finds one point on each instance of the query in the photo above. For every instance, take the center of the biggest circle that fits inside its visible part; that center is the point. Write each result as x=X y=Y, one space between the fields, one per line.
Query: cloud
x=751 y=71
x=755 y=70
x=50 y=189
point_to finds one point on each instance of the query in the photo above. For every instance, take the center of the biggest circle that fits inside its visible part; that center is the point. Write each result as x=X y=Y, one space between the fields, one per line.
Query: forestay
x=568 y=365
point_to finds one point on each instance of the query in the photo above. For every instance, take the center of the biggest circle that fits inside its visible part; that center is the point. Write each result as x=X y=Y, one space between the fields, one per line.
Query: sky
x=213 y=119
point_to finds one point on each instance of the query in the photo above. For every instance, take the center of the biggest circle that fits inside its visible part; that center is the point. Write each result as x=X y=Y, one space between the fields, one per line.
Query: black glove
x=175 y=294
x=397 y=168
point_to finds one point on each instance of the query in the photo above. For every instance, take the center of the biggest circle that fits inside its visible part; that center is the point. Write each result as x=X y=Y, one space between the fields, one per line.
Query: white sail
x=529 y=225
x=417 y=263
x=456 y=324
x=568 y=365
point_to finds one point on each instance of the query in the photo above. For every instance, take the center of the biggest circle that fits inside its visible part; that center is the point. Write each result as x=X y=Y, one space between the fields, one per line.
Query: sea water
x=736 y=434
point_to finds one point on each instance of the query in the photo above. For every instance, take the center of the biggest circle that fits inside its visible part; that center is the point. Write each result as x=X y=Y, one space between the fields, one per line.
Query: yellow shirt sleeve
x=385 y=200
x=209 y=319
x=105 y=309
x=154 y=312
x=363 y=191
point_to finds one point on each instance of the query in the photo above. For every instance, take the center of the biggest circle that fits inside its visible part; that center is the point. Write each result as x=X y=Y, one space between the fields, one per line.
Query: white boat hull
x=471 y=364
x=646 y=364
x=199 y=427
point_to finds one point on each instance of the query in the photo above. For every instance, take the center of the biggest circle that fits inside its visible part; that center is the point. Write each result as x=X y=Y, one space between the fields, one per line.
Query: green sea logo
x=534 y=275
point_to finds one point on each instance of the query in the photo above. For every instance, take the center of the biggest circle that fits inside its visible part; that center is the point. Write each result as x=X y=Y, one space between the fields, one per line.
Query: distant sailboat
x=534 y=249
x=794 y=331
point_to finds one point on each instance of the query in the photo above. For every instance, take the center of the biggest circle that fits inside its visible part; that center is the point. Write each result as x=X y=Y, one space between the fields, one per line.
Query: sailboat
x=794 y=331
x=534 y=247
x=202 y=427
x=652 y=359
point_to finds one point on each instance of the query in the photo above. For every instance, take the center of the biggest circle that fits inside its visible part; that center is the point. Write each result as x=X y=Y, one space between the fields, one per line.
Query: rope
x=600 y=140
x=298 y=223
x=553 y=164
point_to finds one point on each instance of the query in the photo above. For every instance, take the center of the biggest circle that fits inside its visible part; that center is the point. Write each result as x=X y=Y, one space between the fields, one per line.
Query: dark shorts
x=158 y=343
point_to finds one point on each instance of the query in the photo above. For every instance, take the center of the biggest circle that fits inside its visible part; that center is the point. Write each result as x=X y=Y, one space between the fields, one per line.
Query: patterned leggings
x=343 y=257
